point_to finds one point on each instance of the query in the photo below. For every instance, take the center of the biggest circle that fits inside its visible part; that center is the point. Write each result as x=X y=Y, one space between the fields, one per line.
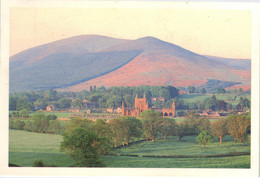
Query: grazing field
x=26 y=147
x=146 y=162
x=228 y=97
x=188 y=146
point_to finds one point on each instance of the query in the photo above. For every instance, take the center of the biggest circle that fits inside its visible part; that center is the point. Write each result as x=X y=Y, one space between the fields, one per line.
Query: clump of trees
x=85 y=147
x=238 y=126
x=39 y=123
x=151 y=122
x=123 y=129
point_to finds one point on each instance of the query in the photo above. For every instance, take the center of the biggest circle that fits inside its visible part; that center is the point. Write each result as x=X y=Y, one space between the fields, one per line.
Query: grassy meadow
x=25 y=147
x=193 y=98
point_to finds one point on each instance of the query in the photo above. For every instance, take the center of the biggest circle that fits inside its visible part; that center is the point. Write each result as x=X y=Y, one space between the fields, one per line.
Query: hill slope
x=65 y=62
x=76 y=63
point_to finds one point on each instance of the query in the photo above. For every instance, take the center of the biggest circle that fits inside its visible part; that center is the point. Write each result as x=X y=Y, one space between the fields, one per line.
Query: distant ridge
x=75 y=63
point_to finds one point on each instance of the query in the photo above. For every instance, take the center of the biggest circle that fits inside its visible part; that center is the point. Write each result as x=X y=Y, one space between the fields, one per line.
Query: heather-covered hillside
x=77 y=63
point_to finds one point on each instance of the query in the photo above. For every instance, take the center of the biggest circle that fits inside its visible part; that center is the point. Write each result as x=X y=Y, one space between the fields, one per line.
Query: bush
x=38 y=163
x=19 y=125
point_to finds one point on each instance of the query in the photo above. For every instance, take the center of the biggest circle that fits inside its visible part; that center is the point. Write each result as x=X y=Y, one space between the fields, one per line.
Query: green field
x=225 y=162
x=26 y=147
x=193 y=98
x=189 y=146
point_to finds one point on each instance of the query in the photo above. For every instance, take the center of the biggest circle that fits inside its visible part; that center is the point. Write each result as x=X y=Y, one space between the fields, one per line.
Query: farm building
x=50 y=108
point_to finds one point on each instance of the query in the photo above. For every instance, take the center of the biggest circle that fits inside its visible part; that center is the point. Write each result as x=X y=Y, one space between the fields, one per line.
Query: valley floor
x=26 y=147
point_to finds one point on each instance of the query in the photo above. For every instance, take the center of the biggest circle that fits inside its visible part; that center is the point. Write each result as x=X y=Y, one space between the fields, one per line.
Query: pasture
x=25 y=147
x=228 y=97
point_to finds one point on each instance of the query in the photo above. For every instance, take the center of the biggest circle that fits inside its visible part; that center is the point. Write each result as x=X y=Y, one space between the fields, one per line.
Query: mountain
x=76 y=63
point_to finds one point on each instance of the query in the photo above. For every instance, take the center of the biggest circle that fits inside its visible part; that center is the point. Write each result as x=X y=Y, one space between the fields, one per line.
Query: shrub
x=38 y=163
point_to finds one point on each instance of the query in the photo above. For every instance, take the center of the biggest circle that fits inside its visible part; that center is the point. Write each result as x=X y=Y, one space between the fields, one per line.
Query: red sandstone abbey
x=141 y=105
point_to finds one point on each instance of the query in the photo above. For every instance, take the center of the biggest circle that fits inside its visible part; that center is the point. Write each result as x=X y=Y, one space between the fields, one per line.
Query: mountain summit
x=76 y=63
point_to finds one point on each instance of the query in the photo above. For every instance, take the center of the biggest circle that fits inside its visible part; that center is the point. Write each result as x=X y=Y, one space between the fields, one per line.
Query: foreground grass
x=143 y=162
x=25 y=147
x=189 y=146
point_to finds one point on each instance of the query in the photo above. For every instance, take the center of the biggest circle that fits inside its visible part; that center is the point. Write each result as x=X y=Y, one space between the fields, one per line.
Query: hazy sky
x=210 y=32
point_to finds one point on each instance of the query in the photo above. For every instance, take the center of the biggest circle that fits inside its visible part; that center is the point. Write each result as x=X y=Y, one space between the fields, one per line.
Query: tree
x=191 y=89
x=167 y=127
x=174 y=92
x=204 y=138
x=79 y=122
x=77 y=103
x=19 y=125
x=192 y=122
x=203 y=91
x=114 y=101
x=202 y=124
x=243 y=103
x=24 y=113
x=11 y=123
x=241 y=90
x=85 y=147
x=23 y=103
x=55 y=127
x=38 y=163
x=219 y=129
x=131 y=127
x=181 y=130
x=28 y=126
x=210 y=103
x=41 y=125
x=116 y=130
x=12 y=103
x=101 y=128
x=51 y=117
x=64 y=103
x=220 y=90
x=38 y=115
x=151 y=122
x=164 y=92
x=221 y=105
x=237 y=127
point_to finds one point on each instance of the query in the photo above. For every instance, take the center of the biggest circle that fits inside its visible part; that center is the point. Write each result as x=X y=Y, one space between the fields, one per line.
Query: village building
x=114 y=110
x=75 y=110
x=118 y=110
x=110 y=110
x=50 y=108
x=141 y=105
x=181 y=92
x=154 y=99
x=210 y=114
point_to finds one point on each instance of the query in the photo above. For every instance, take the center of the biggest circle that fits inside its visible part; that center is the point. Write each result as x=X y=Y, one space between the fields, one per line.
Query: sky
x=222 y=33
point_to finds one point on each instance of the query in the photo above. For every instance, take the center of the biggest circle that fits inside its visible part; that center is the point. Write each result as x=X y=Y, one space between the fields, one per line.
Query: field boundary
x=231 y=154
